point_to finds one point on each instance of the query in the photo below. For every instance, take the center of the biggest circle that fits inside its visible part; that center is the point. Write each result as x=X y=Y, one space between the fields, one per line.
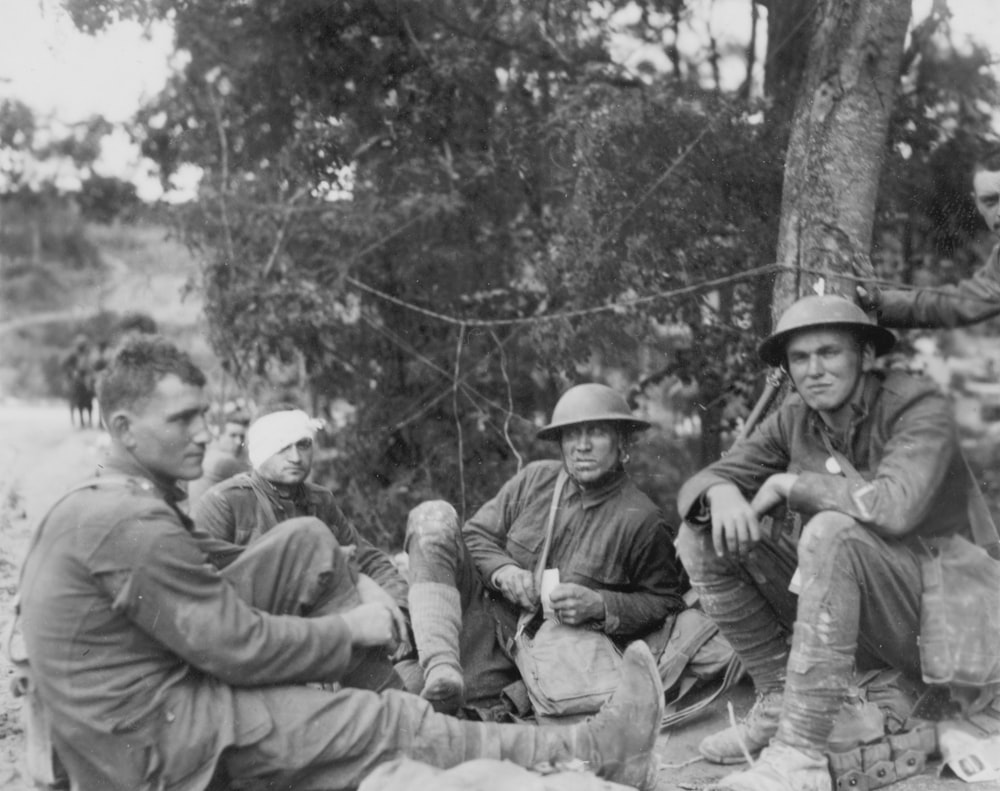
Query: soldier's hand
x=371 y=625
x=735 y=529
x=517 y=586
x=869 y=297
x=576 y=604
x=773 y=493
x=371 y=592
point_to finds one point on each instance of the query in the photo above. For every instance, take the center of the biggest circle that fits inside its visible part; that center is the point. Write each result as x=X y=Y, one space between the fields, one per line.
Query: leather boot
x=780 y=768
x=753 y=732
x=436 y=618
x=618 y=742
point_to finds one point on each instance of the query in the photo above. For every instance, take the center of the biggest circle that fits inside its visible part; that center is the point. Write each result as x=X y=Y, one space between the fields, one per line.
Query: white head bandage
x=272 y=433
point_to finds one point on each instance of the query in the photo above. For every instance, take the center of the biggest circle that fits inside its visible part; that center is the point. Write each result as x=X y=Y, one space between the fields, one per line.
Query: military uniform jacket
x=613 y=540
x=902 y=441
x=136 y=642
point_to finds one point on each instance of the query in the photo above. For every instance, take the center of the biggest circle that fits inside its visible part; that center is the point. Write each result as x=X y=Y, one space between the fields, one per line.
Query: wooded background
x=442 y=214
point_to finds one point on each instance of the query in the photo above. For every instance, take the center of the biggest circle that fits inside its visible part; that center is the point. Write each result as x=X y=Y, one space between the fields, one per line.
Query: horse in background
x=80 y=378
x=81 y=396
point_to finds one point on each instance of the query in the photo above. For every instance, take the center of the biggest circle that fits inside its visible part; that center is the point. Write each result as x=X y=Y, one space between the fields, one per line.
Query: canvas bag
x=959 y=614
x=566 y=669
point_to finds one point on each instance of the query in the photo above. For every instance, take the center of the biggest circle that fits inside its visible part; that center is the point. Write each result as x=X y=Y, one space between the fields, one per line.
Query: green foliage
x=105 y=199
x=474 y=162
x=42 y=229
x=382 y=177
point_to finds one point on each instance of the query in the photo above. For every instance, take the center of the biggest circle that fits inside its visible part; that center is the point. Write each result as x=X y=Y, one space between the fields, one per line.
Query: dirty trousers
x=303 y=738
x=438 y=555
x=858 y=605
x=289 y=570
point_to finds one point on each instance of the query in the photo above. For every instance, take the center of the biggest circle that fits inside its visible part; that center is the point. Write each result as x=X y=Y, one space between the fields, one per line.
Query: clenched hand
x=575 y=604
x=371 y=625
x=371 y=592
x=517 y=586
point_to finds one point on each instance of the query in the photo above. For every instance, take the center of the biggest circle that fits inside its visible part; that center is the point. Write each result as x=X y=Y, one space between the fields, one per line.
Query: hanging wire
x=458 y=419
x=510 y=401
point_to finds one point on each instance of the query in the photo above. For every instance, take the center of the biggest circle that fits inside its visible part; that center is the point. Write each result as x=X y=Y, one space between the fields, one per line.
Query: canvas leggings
x=296 y=568
x=439 y=555
x=858 y=605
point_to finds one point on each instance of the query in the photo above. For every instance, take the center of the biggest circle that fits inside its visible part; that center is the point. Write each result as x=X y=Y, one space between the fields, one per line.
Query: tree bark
x=836 y=146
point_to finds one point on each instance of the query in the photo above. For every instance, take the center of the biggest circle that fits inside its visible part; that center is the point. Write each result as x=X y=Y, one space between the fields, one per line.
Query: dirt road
x=41 y=455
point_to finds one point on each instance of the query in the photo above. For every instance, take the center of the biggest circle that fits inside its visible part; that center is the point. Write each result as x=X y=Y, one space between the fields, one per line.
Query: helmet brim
x=553 y=430
x=772 y=349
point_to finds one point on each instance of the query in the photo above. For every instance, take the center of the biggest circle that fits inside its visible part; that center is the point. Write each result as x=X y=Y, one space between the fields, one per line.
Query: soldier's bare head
x=136 y=366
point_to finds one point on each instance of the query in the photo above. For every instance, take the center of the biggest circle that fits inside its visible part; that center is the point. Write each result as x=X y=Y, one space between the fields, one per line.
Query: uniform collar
x=297 y=494
x=119 y=464
x=861 y=405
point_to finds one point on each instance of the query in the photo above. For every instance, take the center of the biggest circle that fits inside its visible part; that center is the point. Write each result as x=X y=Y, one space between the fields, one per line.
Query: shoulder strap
x=543 y=556
x=526 y=617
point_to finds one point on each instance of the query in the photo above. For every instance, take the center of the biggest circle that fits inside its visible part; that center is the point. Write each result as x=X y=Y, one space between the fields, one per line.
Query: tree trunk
x=836 y=145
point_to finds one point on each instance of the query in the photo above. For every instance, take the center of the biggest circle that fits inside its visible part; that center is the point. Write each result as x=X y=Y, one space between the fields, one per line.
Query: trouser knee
x=432 y=523
x=305 y=534
x=824 y=536
x=696 y=551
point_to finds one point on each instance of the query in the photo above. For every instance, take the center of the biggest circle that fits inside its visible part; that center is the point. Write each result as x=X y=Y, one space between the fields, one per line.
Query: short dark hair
x=988 y=158
x=136 y=366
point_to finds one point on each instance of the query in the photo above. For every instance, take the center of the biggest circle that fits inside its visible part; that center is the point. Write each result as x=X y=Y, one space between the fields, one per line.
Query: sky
x=68 y=76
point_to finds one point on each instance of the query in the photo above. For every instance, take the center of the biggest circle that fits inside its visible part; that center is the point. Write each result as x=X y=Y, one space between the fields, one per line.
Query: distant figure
x=225 y=457
x=974 y=299
x=80 y=379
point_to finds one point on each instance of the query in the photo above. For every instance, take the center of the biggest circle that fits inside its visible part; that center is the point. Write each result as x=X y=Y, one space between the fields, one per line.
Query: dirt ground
x=41 y=455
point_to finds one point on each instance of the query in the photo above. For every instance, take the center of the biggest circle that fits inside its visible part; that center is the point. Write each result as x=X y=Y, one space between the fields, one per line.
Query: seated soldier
x=225 y=456
x=617 y=568
x=157 y=670
x=871 y=462
x=247 y=506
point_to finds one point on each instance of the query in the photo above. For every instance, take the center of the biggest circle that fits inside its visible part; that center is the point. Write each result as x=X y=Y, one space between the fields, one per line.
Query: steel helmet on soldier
x=826 y=312
x=588 y=403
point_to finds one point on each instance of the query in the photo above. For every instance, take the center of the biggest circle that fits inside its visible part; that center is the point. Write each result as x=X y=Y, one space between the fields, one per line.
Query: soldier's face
x=826 y=368
x=168 y=433
x=290 y=465
x=986 y=192
x=233 y=438
x=590 y=450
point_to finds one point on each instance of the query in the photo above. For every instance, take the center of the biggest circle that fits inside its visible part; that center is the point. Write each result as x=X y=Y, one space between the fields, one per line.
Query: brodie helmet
x=587 y=403
x=826 y=312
